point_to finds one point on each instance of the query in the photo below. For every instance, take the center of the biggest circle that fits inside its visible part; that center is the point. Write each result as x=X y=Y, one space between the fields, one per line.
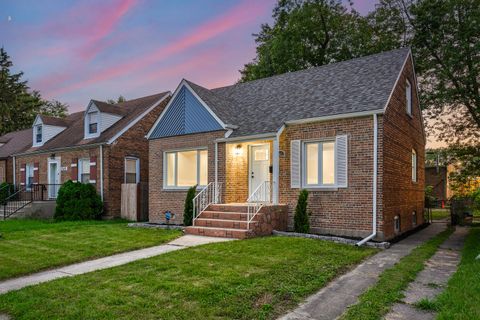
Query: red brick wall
x=346 y=211
x=132 y=143
x=402 y=133
x=161 y=200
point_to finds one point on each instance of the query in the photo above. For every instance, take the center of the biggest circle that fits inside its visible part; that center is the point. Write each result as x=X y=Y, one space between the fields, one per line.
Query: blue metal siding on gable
x=185 y=115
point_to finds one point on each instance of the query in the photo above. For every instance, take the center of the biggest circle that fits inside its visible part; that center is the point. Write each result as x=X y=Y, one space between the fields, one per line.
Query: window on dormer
x=38 y=133
x=92 y=122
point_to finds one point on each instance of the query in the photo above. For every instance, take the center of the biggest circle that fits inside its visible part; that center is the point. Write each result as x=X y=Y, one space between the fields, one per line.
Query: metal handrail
x=259 y=197
x=209 y=195
x=24 y=195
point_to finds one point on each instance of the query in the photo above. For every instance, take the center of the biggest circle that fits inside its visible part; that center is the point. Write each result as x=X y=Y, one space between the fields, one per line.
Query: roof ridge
x=312 y=68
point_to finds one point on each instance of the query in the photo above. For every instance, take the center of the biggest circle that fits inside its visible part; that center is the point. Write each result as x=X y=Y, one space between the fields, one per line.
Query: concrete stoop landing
x=231 y=221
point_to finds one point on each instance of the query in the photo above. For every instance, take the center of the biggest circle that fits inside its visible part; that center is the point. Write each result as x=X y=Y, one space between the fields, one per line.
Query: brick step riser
x=235 y=234
x=223 y=215
x=242 y=225
x=227 y=208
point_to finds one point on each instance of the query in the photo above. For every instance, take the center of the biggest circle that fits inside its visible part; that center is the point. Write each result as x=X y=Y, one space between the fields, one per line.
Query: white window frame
x=80 y=168
x=137 y=168
x=165 y=169
x=29 y=167
x=414 y=165
x=37 y=127
x=89 y=123
x=303 y=169
x=408 y=97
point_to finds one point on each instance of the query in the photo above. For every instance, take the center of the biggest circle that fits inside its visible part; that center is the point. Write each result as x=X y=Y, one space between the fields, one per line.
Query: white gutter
x=374 y=195
x=101 y=172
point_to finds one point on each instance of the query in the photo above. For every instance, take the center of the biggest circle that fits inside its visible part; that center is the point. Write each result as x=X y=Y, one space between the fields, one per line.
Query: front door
x=259 y=169
x=53 y=178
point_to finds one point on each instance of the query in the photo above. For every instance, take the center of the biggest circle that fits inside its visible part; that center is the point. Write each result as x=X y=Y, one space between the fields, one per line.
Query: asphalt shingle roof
x=15 y=142
x=264 y=105
x=73 y=135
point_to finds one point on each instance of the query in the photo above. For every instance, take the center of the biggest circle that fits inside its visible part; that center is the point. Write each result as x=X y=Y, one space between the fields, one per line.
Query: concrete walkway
x=432 y=280
x=333 y=300
x=104 y=263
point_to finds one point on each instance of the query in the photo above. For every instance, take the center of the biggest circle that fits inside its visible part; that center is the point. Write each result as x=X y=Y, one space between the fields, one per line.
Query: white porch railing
x=261 y=196
x=210 y=194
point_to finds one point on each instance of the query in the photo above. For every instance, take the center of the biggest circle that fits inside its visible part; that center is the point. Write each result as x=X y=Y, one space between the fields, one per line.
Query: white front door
x=259 y=169
x=53 y=178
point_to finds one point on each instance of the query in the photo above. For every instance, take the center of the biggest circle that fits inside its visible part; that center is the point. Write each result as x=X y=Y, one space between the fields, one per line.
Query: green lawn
x=461 y=299
x=248 y=279
x=439 y=214
x=376 y=301
x=27 y=246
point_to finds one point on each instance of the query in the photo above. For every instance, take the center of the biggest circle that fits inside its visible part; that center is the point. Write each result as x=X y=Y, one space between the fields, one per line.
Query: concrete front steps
x=223 y=220
x=230 y=221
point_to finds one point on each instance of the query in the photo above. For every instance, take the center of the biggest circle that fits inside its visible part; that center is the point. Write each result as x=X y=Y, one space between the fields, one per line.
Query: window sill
x=181 y=189
x=317 y=189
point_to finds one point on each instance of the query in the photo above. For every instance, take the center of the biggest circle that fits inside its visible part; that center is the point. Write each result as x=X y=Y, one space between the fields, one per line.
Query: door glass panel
x=312 y=163
x=261 y=154
x=328 y=163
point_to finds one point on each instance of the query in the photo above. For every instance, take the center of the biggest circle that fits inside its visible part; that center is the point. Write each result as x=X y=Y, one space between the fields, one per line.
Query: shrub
x=78 y=201
x=188 y=209
x=6 y=189
x=301 y=219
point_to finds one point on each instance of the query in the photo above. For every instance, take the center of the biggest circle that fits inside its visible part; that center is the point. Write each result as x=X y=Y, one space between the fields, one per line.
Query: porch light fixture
x=238 y=150
x=52 y=156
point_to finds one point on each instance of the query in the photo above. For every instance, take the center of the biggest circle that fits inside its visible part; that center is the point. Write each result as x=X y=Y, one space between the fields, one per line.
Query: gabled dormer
x=100 y=116
x=45 y=128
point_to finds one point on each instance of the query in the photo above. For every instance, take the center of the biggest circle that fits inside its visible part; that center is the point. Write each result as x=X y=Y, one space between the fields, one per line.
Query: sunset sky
x=74 y=51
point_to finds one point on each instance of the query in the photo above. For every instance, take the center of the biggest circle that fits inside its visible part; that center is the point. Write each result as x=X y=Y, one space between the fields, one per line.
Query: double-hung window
x=92 y=122
x=408 y=97
x=38 y=133
x=414 y=165
x=84 y=170
x=132 y=170
x=29 y=175
x=186 y=168
x=319 y=164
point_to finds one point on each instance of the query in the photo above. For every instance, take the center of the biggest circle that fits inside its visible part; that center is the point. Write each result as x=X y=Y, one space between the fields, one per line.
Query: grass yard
x=28 y=246
x=461 y=299
x=376 y=301
x=439 y=214
x=249 y=279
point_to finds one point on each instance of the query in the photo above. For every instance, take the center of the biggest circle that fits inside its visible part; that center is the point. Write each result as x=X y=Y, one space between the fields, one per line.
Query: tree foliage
x=120 y=99
x=444 y=36
x=18 y=104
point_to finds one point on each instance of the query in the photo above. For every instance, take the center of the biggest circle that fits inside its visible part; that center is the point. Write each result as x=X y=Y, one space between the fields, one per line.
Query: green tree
x=301 y=219
x=309 y=33
x=18 y=105
x=188 y=209
x=120 y=99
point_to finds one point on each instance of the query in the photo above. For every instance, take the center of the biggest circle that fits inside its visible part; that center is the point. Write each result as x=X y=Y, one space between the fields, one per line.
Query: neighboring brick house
x=104 y=145
x=349 y=132
x=11 y=143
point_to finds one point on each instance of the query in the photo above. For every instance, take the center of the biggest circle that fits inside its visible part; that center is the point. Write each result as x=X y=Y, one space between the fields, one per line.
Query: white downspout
x=14 y=170
x=374 y=196
x=216 y=169
x=101 y=172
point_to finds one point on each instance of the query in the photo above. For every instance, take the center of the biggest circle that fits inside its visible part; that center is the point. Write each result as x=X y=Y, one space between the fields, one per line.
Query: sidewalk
x=432 y=280
x=332 y=301
x=105 y=262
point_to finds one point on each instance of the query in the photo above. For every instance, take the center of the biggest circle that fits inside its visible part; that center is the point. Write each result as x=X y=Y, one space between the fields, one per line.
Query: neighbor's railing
x=261 y=196
x=209 y=195
x=24 y=195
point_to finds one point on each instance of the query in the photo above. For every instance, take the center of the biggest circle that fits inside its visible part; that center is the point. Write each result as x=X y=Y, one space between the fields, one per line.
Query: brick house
x=350 y=132
x=104 y=145
x=11 y=143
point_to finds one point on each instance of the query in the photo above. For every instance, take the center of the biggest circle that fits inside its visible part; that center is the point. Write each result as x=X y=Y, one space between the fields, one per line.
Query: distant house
x=10 y=144
x=437 y=178
x=104 y=145
x=351 y=133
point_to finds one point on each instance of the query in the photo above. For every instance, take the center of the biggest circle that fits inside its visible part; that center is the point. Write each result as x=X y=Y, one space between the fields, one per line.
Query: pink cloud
x=238 y=15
